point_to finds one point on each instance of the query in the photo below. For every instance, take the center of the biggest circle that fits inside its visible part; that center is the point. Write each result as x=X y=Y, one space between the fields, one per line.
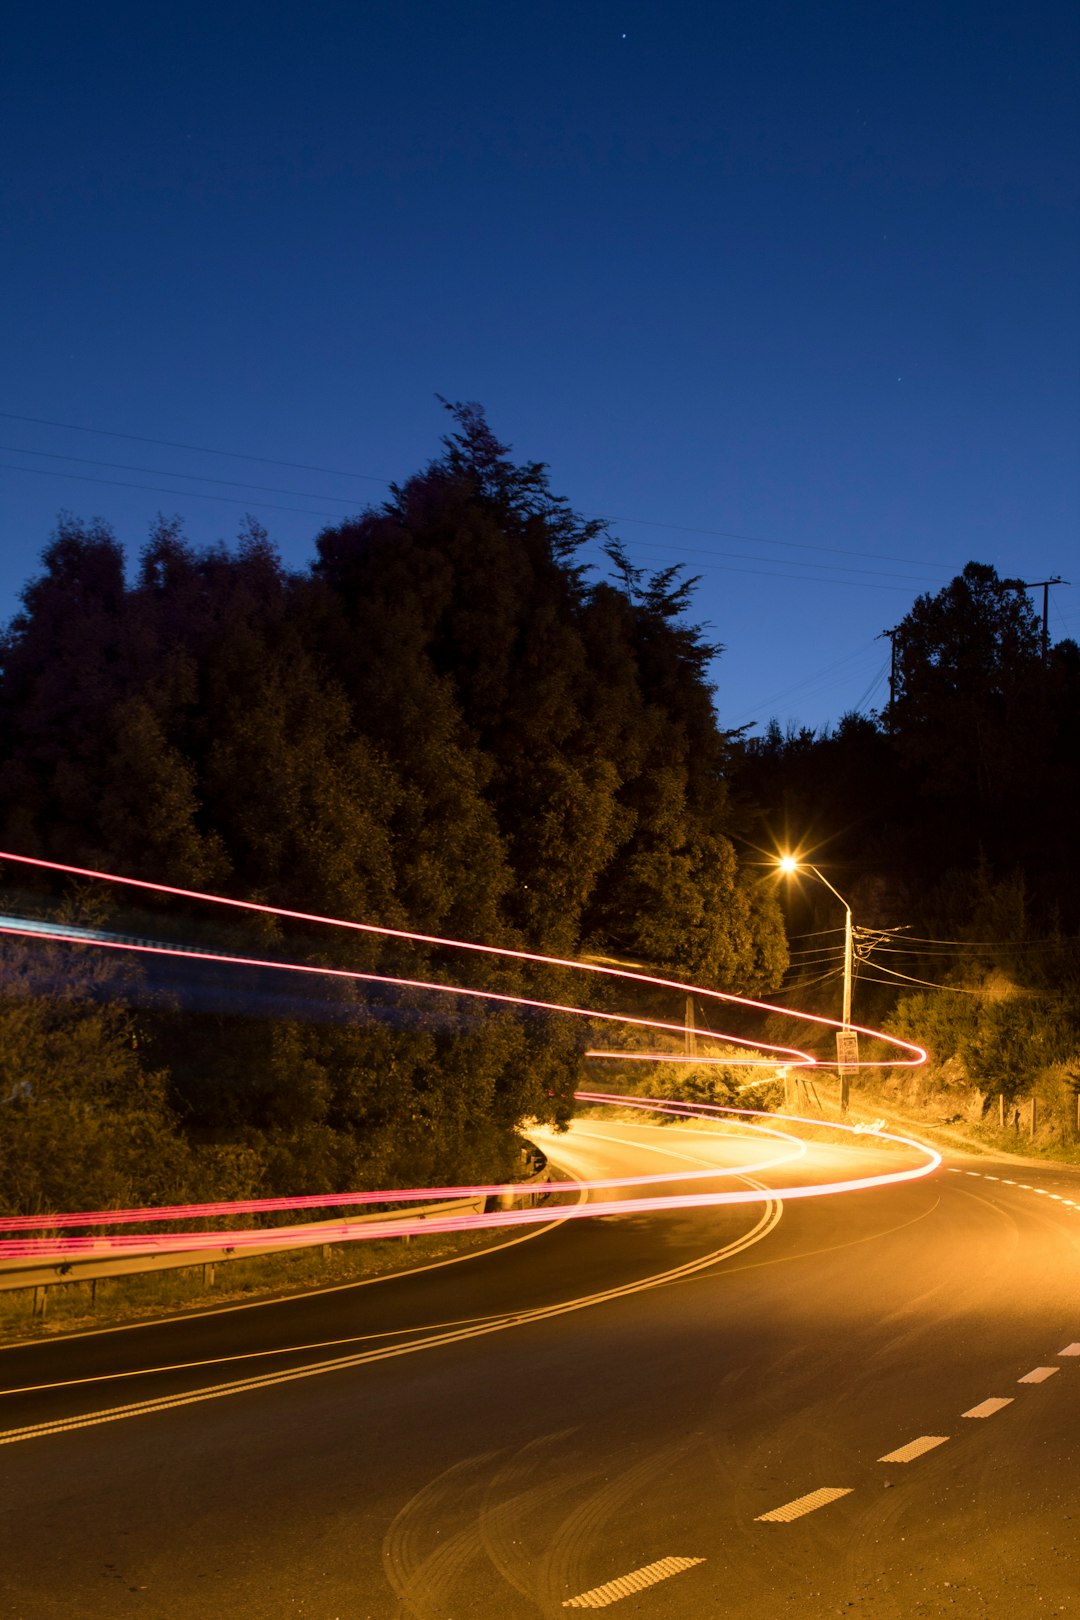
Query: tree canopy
x=442 y=724
x=949 y=819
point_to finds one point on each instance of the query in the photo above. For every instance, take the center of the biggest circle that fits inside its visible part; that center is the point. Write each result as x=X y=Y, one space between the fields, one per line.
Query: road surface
x=680 y=1414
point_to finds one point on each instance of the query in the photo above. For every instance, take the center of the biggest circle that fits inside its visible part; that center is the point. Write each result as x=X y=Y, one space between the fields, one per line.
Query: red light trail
x=252 y=1206
x=292 y=1236
x=69 y=935
x=44 y=1249
x=917 y=1053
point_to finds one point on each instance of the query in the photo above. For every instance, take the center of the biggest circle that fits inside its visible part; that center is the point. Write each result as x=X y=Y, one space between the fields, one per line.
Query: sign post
x=847 y=1061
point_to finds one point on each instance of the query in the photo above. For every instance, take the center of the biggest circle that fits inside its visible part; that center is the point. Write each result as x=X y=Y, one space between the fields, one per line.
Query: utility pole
x=1043 y=585
x=893 y=670
x=691 y=1036
x=849 y=963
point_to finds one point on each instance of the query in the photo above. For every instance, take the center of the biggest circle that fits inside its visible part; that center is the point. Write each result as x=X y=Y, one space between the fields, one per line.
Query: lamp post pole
x=789 y=863
x=849 y=948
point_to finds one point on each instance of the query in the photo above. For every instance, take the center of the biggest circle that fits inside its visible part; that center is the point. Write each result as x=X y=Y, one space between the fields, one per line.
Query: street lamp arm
x=828 y=885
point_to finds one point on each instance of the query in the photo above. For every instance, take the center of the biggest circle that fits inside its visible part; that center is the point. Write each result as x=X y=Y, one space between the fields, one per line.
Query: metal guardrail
x=30 y=1273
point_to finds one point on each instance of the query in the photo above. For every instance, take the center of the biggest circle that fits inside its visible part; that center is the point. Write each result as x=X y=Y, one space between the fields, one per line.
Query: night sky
x=788 y=291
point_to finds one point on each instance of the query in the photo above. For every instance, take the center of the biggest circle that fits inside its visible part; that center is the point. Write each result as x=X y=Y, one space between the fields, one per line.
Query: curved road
x=678 y=1414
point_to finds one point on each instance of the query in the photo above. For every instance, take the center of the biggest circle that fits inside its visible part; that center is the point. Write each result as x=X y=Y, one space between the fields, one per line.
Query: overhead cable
x=199 y=449
x=185 y=494
x=374 y=478
x=927 y=983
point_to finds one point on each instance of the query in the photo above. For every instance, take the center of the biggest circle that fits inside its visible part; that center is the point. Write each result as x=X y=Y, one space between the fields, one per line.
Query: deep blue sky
x=802 y=275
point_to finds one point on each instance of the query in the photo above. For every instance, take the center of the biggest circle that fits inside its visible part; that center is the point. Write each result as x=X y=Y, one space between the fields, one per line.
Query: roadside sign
x=847 y=1051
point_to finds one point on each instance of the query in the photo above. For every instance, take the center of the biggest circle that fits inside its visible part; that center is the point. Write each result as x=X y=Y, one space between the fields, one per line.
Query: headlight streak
x=917 y=1057
x=795 y=1149
x=43 y=1248
x=93 y=937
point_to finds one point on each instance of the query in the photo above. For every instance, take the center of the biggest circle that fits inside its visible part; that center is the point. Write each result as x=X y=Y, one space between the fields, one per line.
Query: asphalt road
x=599 y=1415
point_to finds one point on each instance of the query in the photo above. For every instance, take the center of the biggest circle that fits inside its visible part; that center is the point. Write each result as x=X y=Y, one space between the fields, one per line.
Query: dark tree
x=970 y=711
x=443 y=725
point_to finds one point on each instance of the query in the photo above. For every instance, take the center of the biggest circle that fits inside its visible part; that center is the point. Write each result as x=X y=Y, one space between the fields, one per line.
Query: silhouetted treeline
x=442 y=725
x=951 y=816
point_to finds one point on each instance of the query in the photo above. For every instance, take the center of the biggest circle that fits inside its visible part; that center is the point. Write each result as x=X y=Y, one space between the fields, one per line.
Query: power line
x=836 y=568
x=953 y=989
x=759 y=540
x=992 y=944
x=806 y=984
x=932 y=951
x=157 y=489
x=815 y=933
x=340 y=472
x=876 y=584
x=157 y=472
x=870 y=690
x=802 y=686
x=199 y=449
x=276 y=506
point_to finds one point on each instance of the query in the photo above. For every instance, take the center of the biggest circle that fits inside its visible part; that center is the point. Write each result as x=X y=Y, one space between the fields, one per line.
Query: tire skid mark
x=508 y=1499
x=418 y=1580
x=563 y=1573
x=424 y=1559
x=425 y=1592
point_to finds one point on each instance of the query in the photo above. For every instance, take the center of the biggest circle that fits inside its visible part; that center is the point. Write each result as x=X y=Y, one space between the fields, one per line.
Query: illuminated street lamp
x=789 y=864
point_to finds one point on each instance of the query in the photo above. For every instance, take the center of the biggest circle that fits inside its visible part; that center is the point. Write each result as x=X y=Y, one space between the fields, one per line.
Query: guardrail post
x=39 y=1301
x=208 y=1275
x=1033 y=1113
x=1001 y=1109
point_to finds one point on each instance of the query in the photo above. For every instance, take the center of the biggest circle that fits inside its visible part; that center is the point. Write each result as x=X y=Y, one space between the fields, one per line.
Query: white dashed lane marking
x=601 y=1596
x=804 y=1504
x=1021 y=1186
x=987 y=1408
x=925 y=1442
x=914 y=1448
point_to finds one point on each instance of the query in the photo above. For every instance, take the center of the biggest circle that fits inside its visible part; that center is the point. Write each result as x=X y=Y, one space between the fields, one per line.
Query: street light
x=789 y=864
